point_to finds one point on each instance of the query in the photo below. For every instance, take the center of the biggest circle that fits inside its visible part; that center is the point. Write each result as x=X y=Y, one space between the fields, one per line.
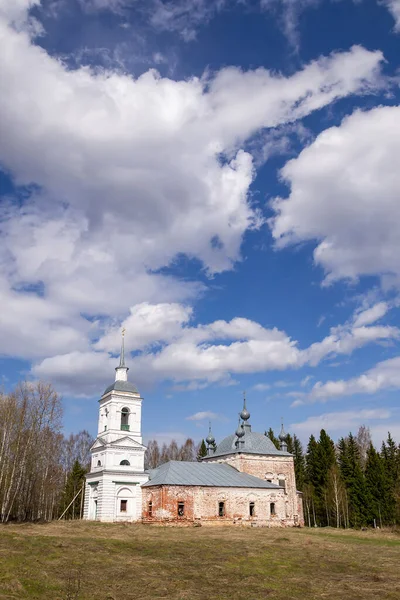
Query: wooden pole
x=72 y=501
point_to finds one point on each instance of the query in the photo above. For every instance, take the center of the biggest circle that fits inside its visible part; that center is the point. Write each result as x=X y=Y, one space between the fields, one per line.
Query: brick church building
x=243 y=480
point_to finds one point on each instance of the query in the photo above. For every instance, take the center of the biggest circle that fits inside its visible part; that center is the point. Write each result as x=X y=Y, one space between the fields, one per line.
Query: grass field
x=74 y=560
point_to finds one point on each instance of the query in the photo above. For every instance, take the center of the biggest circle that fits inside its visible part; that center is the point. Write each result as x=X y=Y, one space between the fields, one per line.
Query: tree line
x=40 y=469
x=347 y=484
x=157 y=454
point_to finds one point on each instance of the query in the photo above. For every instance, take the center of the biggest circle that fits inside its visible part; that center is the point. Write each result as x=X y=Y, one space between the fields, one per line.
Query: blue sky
x=221 y=179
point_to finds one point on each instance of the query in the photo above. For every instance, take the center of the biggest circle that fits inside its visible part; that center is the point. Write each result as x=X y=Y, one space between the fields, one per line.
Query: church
x=243 y=480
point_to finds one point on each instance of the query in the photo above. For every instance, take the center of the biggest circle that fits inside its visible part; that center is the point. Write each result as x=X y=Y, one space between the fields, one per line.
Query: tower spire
x=122 y=356
x=121 y=372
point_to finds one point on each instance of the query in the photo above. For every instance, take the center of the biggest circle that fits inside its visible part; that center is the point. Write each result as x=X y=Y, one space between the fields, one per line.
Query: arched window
x=125 y=419
x=99 y=463
x=125 y=463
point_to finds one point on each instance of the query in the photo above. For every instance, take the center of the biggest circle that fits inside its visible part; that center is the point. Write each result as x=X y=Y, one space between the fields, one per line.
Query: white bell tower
x=112 y=491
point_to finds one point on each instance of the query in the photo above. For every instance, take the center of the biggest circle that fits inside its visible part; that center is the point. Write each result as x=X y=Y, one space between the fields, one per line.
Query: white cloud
x=345 y=421
x=193 y=357
x=345 y=339
x=126 y=174
x=372 y=314
x=261 y=387
x=202 y=416
x=147 y=324
x=344 y=195
x=290 y=11
x=394 y=8
x=384 y=376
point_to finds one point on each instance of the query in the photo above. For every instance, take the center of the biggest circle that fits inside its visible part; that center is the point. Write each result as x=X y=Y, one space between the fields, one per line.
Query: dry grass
x=83 y=561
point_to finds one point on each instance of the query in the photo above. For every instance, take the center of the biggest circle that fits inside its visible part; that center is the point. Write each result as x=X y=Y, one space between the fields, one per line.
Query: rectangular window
x=181 y=509
x=124 y=505
x=150 y=511
x=221 y=509
x=282 y=483
x=272 y=509
x=252 y=509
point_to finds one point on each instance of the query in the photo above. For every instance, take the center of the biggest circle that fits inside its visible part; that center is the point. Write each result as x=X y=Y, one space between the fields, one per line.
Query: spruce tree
x=202 y=451
x=378 y=488
x=290 y=443
x=390 y=457
x=326 y=458
x=299 y=463
x=309 y=488
x=354 y=479
x=270 y=434
x=74 y=483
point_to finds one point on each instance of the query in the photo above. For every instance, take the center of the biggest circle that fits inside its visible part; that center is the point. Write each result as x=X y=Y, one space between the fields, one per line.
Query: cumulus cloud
x=147 y=324
x=341 y=423
x=343 y=420
x=344 y=196
x=122 y=175
x=384 y=376
x=193 y=357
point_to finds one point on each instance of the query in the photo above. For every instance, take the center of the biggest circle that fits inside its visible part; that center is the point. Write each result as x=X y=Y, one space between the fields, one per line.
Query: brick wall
x=274 y=468
x=201 y=504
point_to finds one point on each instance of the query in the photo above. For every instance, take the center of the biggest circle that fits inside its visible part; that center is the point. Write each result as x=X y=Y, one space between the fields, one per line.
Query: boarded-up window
x=282 y=483
x=124 y=505
x=272 y=508
x=252 y=509
x=181 y=509
x=221 y=509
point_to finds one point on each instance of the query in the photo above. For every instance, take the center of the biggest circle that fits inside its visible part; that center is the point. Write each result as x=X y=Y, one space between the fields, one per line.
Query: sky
x=220 y=178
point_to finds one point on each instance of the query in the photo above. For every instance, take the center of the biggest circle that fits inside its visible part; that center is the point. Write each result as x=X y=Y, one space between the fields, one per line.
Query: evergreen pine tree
x=325 y=459
x=202 y=451
x=392 y=472
x=290 y=443
x=310 y=472
x=270 y=434
x=74 y=483
x=299 y=463
x=354 y=479
x=378 y=488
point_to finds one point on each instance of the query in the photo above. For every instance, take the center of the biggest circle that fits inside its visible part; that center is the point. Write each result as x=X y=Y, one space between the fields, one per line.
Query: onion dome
x=282 y=435
x=210 y=439
x=245 y=415
x=240 y=430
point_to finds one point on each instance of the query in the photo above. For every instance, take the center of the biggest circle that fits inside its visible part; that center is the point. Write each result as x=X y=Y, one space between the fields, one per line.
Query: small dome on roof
x=239 y=431
x=245 y=415
x=254 y=443
x=282 y=435
x=121 y=386
x=210 y=439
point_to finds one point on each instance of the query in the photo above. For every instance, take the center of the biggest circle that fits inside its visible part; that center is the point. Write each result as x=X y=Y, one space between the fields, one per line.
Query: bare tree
x=29 y=465
x=364 y=440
